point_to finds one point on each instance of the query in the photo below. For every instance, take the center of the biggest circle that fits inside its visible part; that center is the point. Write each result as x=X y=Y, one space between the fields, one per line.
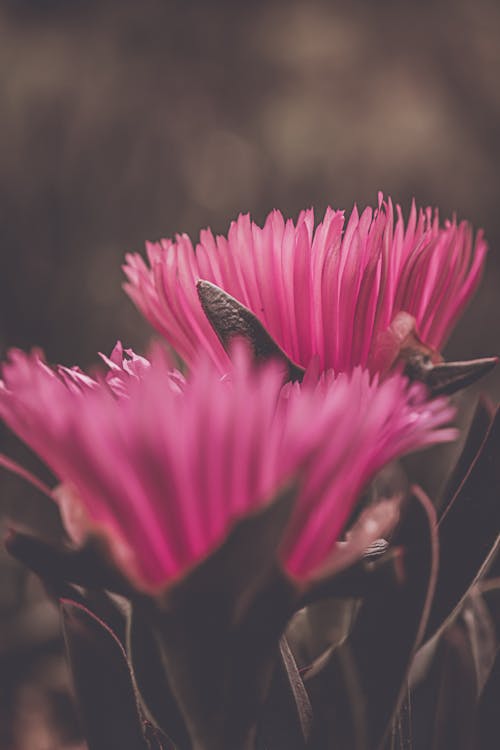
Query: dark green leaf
x=99 y=603
x=218 y=629
x=319 y=627
x=103 y=683
x=338 y=702
x=448 y=676
x=355 y=561
x=469 y=530
x=478 y=429
x=371 y=667
x=445 y=704
x=152 y=681
x=286 y=721
x=89 y=566
x=359 y=579
x=490 y=591
x=489 y=715
x=482 y=635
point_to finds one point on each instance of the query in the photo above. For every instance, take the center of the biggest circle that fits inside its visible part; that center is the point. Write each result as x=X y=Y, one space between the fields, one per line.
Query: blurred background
x=124 y=121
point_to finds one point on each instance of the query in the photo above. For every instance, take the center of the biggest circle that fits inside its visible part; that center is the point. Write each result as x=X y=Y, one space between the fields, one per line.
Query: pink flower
x=346 y=295
x=165 y=469
x=123 y=367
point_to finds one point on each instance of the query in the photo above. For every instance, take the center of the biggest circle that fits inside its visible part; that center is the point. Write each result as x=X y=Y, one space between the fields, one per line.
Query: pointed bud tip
x=204 y=287
x=449 y=377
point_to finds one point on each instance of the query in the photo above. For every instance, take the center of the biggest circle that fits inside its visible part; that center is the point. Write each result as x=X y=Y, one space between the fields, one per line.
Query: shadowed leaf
x=371 y=667
x=490 y=590
x=230 y=319
x=379 y=568
x=218 y=630
x=444 y=703
x=451 y=675
x=152 y=682
x=286 y=720
x=482 y=635
x=447 y=377
x=478 y=429
x=489 y=715
x=88 y=566
x=469 y=530
x=355 y=559
x=317 y=629
x=103 y=683
x=338 y=702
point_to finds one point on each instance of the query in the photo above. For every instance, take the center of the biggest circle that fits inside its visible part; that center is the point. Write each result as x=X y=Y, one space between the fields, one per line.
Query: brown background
x=124 y=121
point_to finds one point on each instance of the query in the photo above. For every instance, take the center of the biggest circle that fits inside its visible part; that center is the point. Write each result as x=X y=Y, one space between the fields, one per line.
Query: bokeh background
x=123 y=121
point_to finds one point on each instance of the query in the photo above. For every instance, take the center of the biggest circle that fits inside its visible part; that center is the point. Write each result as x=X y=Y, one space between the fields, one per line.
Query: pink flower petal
x=327 y=292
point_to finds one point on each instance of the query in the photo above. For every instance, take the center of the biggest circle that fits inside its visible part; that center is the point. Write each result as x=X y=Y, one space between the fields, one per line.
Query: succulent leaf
x=371 y=667
x=474 y=511
x=230 y=320
x=103 y=684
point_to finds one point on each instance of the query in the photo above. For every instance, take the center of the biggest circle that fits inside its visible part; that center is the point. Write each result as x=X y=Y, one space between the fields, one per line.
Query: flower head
x=165 y=469
x=346 y=294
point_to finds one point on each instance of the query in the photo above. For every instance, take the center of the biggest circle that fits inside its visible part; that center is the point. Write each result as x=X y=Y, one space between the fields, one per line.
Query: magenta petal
x=163 y=468
x=325 y=292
